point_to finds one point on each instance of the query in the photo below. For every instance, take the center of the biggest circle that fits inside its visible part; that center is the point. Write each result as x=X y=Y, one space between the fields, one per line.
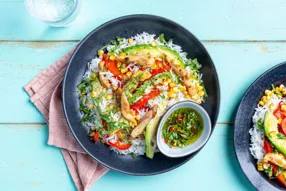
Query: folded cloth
x=45 y=93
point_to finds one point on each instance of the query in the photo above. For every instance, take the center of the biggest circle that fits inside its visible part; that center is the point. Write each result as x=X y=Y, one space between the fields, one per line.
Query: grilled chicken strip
x=103 y=80
x=144 y=122
x=143 y=60
x=125 y=109
x=275 y=158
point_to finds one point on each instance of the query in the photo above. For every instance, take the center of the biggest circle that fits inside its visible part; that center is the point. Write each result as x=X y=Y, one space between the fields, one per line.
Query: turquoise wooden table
x=244 y=38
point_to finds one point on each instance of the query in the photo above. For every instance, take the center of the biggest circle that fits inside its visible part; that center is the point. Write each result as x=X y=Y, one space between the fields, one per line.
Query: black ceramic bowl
x=243 y=122
x=87 y=49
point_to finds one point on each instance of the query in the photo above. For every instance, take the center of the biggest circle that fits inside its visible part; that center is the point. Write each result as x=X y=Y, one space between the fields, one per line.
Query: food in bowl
x=182 y=128
x=129 y=86
x=268 y=135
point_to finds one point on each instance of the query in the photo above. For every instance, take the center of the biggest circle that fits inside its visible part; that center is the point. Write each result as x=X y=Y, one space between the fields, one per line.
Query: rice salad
x=129 y=86
x=267 y=136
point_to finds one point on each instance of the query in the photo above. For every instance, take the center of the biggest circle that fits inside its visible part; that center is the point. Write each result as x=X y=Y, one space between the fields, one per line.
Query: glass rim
x=75 y=7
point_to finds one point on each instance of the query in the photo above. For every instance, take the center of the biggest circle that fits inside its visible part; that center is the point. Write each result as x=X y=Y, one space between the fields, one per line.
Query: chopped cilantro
x=280 y=136
x=259 y=124
x=193 y=64
x=161 y=39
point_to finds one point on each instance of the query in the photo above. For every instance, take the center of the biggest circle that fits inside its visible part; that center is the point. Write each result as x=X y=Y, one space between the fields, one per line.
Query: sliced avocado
x=151 y=129
x=271 y=131
x=96 y=86
x=156 y=51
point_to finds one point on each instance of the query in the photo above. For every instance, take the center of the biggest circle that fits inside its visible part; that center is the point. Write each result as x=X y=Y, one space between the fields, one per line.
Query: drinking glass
x=58 y=13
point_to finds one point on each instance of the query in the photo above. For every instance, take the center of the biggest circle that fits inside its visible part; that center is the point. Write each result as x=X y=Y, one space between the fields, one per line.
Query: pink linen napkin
x=45 y=93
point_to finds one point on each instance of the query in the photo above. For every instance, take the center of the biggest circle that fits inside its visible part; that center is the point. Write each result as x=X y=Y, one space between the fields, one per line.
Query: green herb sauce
x=182 y=128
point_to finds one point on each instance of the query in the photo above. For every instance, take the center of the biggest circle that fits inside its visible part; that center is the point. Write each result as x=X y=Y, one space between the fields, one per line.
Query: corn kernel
x=92 y=128
x=165 y=83
x=172 y=85
x=279 y=120
x=260 y=166
x=93 y=94
x=130 y=40
x=154 y=67
x=93 y=76
x=200 y=88
x=91 y=107
x=271 y=93
x=273 y=133
x=277 y=90
x=197 y=84
x=92 y=134
x=171 y=94
x=118 y=64
x=109 y=96
x=271 y=106
x=175 y=89
x=169 y=80
x=264 y=99
x=112 y=57
x=137 y=73
x=195 y=97
x=112 y=105
x=199 y=102
x=187 y=96
x=124 y=70
x=261 y=103
x=281 y=87
x=279 y=96
x=182 y=89
x=283 y=107
x=100 y=53
x=137 y=117
x=129 y=74
x=201 y=93
x=153 y=43
x=268 y=98
x=122 y=54
x=267 y=92
x=147 y=75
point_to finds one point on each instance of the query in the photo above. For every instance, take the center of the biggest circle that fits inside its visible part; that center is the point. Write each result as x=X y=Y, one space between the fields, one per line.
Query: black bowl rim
x=162 y=19
x=256 y=186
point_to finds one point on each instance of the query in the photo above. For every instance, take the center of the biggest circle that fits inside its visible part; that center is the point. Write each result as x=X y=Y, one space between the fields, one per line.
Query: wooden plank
x=20 y=62
x=223 y=19
x=238 y=65
x=35 y=165
x=28 y=163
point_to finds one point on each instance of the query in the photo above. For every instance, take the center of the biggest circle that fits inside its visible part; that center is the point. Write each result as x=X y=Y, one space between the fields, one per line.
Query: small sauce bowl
x=181 y=152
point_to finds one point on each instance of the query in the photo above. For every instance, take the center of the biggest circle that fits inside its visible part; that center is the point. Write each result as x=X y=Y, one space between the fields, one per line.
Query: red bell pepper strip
x=267 y=146
x=283 y=127
x=140 y=104
x=96 y=136
x=157 y=71
x=112 y=67
x=278 y=113
x=280 y=177
x=119 y=146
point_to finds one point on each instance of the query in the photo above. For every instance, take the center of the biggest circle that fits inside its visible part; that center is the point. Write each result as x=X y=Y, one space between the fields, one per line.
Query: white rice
x=257 y=135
